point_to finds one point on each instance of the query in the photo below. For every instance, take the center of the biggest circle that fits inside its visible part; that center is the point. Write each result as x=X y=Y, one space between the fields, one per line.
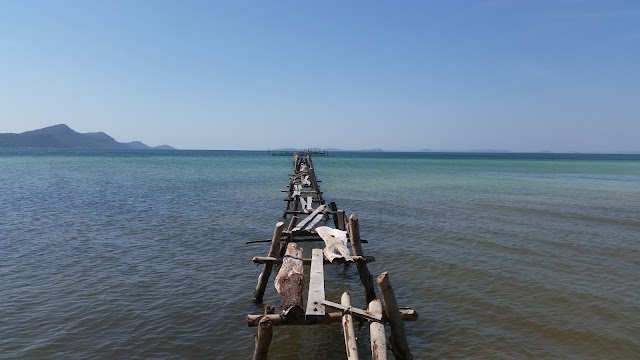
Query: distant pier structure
x=291 y=152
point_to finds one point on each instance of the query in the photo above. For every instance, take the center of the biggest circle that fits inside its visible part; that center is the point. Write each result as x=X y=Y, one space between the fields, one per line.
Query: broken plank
x=306 y=220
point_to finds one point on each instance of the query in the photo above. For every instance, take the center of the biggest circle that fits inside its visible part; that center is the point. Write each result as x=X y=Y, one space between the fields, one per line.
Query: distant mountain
x=62 y=136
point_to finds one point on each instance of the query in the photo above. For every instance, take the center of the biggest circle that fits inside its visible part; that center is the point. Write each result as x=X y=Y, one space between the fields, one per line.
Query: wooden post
x=334 y=212
x=365 y=276
x=348 y=330
x=341 y=220
x=399 y=345
x=354 y=234
x=266 y=270
x=263 y=339
x=378 y=337
x=289 y=198
x=283 y=246
x=290 y=282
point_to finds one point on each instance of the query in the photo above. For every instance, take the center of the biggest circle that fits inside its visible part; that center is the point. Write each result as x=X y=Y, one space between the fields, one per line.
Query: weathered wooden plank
x=303 y=204
x=378 y=337
x=316 y=285
x=399 y=344
x=290 y=282
x=368 y=315
x=308 y=219
x=348 y=331
x=309 y=202
x=335 y=243
x=306 y=204
x=302 y=224
x=313 y=223
x=307 y=261
x=297 y=189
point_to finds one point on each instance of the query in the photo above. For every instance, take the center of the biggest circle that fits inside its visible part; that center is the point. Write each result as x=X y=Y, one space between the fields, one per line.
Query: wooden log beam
x=266 y=270
x=263 y=339
x=378 y=337
x=399 y=344
x=363 y=271
x=307 y=261
x=348 y=330
x=290 y=282
x=252 y=320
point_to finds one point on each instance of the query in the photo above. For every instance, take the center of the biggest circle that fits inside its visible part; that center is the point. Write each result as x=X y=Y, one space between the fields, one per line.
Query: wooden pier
x=292 y=152
x=307 y=218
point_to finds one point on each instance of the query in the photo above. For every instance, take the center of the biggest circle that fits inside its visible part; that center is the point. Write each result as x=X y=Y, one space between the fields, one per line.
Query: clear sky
x=559 y=75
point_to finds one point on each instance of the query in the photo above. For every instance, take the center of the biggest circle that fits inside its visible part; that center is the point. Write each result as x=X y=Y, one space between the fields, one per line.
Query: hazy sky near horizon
x=559 y=75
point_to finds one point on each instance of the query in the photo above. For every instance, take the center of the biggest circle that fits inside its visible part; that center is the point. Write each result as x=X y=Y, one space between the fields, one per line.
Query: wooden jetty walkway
x=306 y=218
x=292 y=152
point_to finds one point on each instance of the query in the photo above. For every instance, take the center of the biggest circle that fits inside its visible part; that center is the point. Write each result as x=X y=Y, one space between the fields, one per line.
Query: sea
x=120 y=254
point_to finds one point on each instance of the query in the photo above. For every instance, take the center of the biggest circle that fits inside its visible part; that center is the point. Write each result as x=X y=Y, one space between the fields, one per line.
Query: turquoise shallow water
x=141 y=254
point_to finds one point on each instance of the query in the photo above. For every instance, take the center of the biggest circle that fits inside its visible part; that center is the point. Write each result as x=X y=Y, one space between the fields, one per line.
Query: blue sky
x=559 y=75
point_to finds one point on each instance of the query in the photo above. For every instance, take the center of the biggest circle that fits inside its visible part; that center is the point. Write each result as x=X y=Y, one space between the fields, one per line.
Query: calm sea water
x=142 y=254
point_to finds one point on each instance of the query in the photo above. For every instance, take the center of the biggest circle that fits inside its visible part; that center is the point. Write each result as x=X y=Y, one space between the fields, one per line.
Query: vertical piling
x=263 y=339
x=266 y=270
x=341 y=220
x=348 y=330
x=363 y=271
x=334 y=212
x=378 y=337
x=399 y=345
